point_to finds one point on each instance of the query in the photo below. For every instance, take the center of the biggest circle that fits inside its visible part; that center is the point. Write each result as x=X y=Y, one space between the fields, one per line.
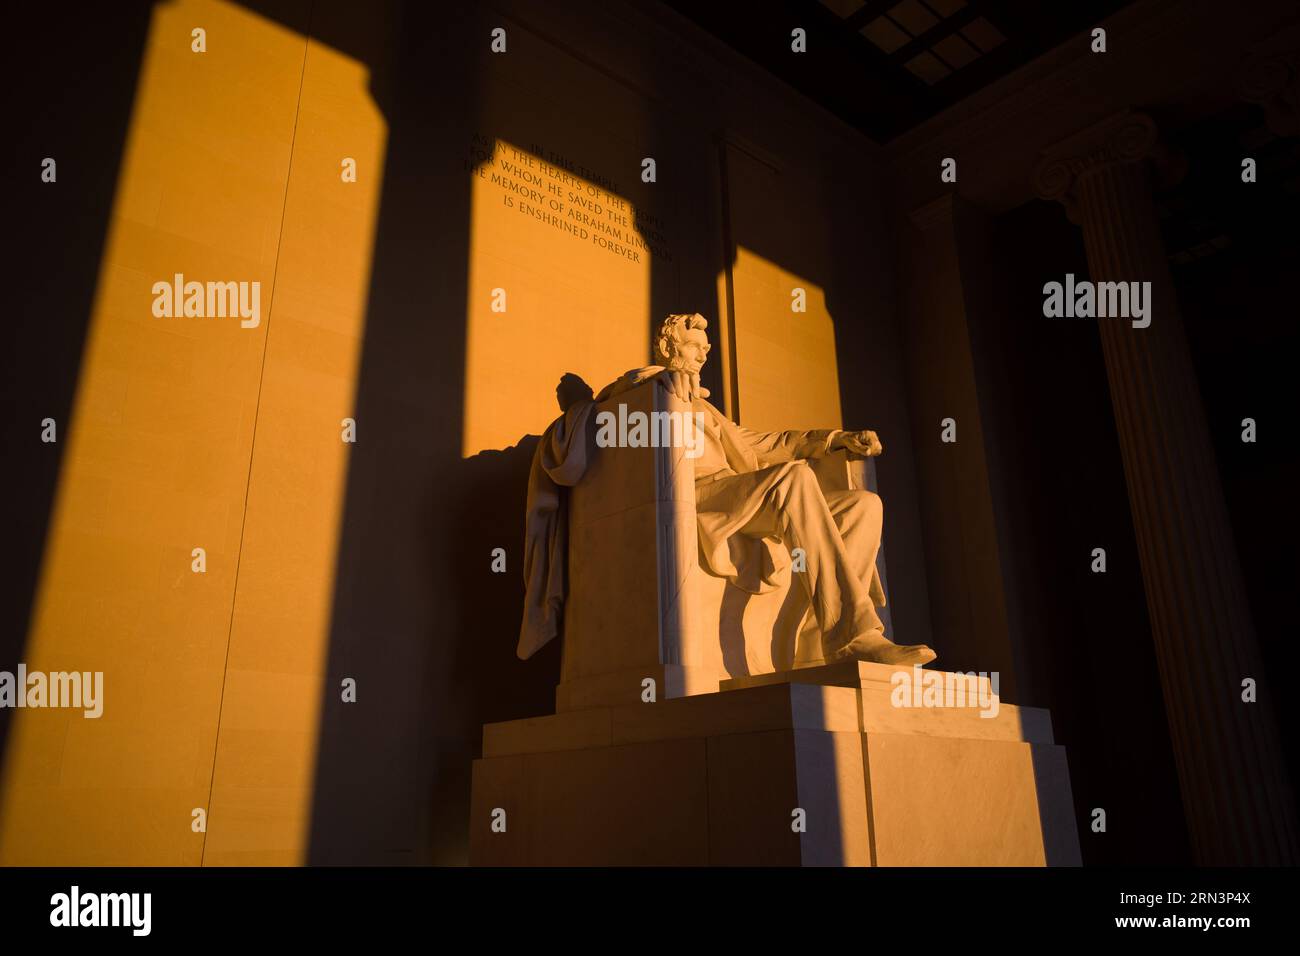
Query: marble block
x=722 y=778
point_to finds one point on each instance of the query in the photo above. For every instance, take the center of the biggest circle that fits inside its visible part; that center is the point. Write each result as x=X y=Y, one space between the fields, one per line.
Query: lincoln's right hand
x=685 y=385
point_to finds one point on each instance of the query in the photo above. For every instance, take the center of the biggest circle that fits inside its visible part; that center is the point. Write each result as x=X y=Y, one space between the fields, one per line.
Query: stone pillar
x=1231 y=767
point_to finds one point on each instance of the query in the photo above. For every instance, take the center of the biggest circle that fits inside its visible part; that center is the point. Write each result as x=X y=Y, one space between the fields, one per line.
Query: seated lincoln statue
x=751 y=488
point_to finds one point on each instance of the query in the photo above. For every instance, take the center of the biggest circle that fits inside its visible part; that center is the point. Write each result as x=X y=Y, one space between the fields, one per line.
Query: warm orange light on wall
x=197 y=433
x=559 y=281
x=776 y=345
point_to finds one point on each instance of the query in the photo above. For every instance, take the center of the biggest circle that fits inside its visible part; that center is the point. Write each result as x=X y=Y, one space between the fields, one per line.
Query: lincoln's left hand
x=866 y=443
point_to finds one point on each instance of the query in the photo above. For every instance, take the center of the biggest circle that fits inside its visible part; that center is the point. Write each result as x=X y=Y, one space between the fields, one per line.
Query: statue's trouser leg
x=860 y=517
x=837 y=575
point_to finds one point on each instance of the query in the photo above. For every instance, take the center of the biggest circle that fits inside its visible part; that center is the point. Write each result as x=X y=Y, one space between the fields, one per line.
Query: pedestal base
x=822 y=766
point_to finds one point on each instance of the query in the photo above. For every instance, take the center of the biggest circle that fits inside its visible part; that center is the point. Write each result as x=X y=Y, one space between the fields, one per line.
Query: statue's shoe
x=877 y=650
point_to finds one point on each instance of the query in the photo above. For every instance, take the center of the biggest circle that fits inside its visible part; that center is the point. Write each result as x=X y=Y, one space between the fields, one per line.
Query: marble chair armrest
x=841 y=471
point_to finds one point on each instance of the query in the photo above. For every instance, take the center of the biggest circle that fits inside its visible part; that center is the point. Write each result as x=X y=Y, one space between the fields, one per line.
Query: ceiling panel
x=886 y=65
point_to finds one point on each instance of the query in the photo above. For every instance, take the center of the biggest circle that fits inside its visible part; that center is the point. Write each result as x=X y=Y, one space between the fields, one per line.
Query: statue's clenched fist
x=865 y=443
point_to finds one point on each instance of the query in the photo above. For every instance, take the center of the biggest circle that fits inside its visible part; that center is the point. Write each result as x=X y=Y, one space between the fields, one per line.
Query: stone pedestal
x=721 y=778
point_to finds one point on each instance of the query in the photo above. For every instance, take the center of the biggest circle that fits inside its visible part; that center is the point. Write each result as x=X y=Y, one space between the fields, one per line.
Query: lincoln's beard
x=679 y=364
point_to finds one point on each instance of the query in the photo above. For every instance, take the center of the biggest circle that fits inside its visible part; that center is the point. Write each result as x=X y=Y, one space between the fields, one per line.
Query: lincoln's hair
x=671 y=331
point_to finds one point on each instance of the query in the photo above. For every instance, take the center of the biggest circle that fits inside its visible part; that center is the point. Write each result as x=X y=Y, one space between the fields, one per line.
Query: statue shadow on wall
x=491 y=501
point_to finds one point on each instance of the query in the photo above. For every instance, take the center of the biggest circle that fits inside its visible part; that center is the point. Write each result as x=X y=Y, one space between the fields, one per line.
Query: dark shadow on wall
x=1234 y=255
x=73 y=105
x=486 y=680
x=394 y=625
x=862 y=297
x=1060 y=492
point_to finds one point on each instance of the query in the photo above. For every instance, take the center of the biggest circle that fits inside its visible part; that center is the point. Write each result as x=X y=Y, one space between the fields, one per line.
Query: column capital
x=1126 y=138
x=1273 y=81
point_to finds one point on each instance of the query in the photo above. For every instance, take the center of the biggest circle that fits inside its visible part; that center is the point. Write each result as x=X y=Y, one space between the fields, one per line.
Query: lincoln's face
x=690 y=349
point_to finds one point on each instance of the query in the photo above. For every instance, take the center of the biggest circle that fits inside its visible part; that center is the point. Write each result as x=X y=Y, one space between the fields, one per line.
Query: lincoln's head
x=682 y=342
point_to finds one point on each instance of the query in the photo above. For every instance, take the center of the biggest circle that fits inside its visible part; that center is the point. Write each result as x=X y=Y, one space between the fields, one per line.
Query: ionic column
x=1273 y=81
x=1231 y=769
